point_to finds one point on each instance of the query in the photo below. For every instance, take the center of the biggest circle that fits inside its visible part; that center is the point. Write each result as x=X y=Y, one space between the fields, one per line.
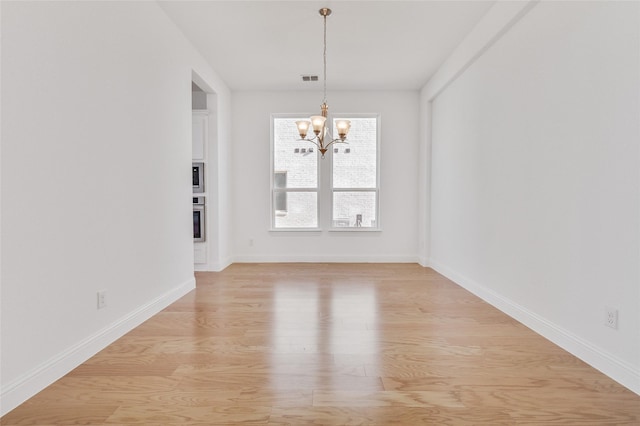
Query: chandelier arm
x=335 y=141
x=312 y=141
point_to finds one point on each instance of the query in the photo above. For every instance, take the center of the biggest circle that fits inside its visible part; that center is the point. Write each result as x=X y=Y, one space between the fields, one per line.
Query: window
x=352 y=168
x=294 y=182
x=280 y=197
x=354 y=175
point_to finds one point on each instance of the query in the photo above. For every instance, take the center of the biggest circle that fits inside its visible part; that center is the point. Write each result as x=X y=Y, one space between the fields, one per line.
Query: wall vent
x=309 y=78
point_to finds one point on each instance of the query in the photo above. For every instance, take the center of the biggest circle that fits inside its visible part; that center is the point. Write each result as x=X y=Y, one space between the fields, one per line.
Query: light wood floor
x=331 y=344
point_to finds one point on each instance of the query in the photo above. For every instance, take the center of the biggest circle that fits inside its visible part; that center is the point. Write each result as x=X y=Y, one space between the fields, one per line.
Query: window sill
x=354 y=229
x=345 y=229
x=295 y=230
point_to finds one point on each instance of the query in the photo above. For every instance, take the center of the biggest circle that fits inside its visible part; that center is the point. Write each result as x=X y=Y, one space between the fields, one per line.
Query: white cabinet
x=200 y=253
x=199 y=135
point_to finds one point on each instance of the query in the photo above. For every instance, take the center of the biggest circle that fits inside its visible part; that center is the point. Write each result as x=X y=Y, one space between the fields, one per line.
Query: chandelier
x=323 y=139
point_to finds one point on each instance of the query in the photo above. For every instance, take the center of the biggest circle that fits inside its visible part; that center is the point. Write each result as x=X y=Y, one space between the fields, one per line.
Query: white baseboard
x=26 y=386
x=423 y=261
x=617 y=369
x=213 y=266
x=324 y=259
x=222 y=265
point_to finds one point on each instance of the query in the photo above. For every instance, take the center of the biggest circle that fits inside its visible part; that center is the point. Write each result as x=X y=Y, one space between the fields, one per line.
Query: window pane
x=280 y=181
x=354 y=209
x=301 y=212
x=281 y=202
x=354 y=164
x=294 y=158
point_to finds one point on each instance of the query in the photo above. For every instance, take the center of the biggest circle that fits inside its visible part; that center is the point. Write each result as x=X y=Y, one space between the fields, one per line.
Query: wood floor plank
x=102 y=389
x=63 y=413
x=319 y=416
x=164 y=414
x=472 y=416
x=267 y=367
x=394 y=398
x=331 y=344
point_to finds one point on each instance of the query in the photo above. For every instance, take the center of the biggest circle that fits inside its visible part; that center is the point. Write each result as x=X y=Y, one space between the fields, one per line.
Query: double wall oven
x=197 y=178
x=198 y=219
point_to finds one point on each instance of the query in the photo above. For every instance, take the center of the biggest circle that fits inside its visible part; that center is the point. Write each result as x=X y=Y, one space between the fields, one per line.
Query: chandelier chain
x=325 y=59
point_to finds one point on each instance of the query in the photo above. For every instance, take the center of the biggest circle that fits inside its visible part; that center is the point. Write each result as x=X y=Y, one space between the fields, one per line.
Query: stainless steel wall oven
x=197 y=177
x=199 y=219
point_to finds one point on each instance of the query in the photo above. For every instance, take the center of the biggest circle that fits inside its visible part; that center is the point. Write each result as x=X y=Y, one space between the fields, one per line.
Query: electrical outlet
x=102 y=299
x=611 y=317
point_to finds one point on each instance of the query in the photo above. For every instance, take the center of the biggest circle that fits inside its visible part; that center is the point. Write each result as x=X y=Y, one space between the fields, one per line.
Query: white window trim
x=378 y=227
x=272 y=212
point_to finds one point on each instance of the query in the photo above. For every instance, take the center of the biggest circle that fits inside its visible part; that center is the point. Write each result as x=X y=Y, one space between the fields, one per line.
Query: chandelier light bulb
x=303 y=128
x=343 y=127
x=317 y=121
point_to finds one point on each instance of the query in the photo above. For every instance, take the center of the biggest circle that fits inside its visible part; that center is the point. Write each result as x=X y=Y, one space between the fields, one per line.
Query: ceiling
x=371 y=45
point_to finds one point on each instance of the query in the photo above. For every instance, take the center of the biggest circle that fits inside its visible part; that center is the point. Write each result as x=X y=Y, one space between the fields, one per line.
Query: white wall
x=251 y=112
x=424 y=180
x=535 y=178
x=96 y=193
